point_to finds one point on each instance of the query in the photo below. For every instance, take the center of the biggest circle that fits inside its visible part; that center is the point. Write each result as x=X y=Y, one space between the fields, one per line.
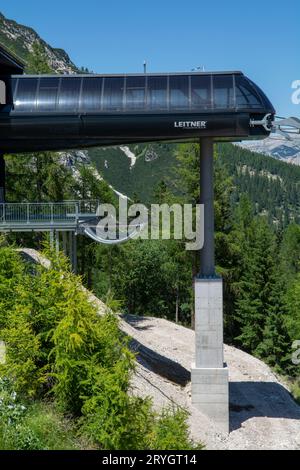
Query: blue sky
x=260 y=38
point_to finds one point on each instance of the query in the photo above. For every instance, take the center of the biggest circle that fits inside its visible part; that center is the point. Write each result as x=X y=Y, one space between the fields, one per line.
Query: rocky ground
x=263 y=415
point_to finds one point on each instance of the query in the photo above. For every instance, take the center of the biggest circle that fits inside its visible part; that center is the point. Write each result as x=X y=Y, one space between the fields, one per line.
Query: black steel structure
x=9 y=63
x=58 y=112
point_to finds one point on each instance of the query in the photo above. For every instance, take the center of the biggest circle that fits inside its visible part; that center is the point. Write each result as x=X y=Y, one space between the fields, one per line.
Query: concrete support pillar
x=51 y=238
x=2 y=178
x=73 y=251
x=64 y=241
x=74 y=263
x=209 y=376
x=57 y=241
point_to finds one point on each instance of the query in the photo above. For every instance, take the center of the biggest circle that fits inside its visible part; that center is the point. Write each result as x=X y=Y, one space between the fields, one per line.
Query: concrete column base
x=209 y=376
x=210 y=394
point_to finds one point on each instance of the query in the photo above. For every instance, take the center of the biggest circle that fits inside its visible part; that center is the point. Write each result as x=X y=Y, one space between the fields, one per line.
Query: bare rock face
x=279 y=148
x=71 y=158
x=150 y=155
x=20 y=39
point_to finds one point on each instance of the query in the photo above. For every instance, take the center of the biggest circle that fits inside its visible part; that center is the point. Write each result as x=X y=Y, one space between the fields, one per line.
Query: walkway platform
x=61 y=216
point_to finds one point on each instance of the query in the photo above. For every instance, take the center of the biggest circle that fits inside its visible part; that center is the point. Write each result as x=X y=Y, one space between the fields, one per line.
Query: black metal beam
x=207 y=254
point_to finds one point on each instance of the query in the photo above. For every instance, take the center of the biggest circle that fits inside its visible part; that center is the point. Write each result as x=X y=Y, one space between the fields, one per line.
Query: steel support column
x=57 y=242
x=2 y=178
x=71 y=248
x=74 y=264
x=209 y=376
x=51 y=238
x=73 y=251
x=207 y=254
x=64 y=240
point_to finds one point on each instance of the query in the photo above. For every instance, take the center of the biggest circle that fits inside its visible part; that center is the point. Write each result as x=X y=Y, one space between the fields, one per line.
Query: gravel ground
x=263 y=414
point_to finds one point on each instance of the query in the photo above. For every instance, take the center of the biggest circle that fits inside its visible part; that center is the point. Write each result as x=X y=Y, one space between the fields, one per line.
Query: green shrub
x=58 y=344
x=295 y=389
x=170 y=431
x=11 y=275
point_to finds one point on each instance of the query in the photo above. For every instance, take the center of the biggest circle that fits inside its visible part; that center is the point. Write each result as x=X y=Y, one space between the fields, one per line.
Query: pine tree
x=256 y=284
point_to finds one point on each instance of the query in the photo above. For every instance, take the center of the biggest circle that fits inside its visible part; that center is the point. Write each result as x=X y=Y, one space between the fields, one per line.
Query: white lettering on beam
x=191 y=124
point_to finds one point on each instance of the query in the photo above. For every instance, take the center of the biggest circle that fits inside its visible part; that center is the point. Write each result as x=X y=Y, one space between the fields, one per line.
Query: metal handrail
x=45 y=212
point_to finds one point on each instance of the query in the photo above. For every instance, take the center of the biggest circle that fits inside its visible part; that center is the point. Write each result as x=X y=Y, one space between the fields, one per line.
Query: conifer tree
x=256 y=284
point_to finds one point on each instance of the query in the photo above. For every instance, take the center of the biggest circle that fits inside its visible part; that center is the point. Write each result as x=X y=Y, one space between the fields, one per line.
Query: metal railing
x=46 y=212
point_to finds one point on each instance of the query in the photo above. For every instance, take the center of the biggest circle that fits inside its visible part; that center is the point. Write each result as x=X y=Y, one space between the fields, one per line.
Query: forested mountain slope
x=273 y=186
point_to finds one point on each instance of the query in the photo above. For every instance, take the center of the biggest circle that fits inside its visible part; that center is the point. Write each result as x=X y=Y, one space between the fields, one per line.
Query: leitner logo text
x=191 y=124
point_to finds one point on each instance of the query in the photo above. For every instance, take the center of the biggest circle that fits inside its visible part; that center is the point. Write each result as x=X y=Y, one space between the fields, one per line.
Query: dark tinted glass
x=68 y=99
x=13 y=84
x=91 y=93
x=113 y=93
x=157 y=93
x=246 y=96
x=2 y=92
x=47 y=94
x=179 y=92
x=25 y=99
x=223 y=91
x=201 y=91
x=135 y=92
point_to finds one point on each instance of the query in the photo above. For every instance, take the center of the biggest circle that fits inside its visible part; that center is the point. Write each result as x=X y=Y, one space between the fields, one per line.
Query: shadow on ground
x=134 y=321
x=160 y=365
x=260 y=399
x=152 y=360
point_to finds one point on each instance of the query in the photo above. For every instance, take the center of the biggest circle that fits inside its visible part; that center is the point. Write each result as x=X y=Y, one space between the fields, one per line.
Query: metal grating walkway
x=62 y=216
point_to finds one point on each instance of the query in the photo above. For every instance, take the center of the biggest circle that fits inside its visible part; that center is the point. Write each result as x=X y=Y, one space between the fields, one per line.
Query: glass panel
x=223 y=91
x=91 y=93
x=201 y=91
x=2 y=92
x=157 y=93
x=13 y=84
x=68 y=99
x=179 y=92
x=246 y=96
x=47 y=95
x=135 y=92
x=26 y=94
x=113 y=93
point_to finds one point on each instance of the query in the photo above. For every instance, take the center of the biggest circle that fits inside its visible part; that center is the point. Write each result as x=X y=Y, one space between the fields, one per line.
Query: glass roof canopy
x=140 y=93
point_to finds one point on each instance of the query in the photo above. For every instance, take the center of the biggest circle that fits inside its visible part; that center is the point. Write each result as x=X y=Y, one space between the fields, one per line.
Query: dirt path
x=262 y=413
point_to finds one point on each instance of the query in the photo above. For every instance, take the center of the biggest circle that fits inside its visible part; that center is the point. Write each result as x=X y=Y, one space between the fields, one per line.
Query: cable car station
x=58 y=112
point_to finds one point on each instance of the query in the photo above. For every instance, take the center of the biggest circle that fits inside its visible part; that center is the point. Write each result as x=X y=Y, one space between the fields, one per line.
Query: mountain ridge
x=19 y=39
x=275 y=147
